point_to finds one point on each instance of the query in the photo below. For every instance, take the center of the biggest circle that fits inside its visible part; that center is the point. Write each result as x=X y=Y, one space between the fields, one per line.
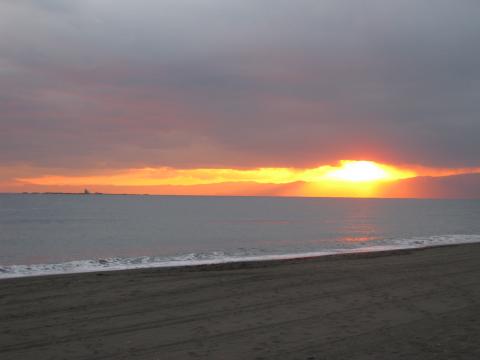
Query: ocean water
x=51 y=234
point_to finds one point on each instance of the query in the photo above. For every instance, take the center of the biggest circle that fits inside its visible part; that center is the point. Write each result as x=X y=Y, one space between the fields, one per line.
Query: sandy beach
x=411 y=304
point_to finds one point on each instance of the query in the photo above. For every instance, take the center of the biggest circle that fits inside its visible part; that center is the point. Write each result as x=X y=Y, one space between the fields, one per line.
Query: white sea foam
x=219 y=257
x=436 y=240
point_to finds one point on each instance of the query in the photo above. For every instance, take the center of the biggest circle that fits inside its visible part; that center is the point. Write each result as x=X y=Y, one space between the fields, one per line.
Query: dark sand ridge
x=421 y=304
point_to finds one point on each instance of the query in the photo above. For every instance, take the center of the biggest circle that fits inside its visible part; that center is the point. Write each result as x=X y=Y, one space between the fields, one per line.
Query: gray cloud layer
x=189 y=83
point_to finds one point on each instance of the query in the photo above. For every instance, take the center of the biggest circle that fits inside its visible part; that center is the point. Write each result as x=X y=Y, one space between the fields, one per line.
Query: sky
x=126 y=95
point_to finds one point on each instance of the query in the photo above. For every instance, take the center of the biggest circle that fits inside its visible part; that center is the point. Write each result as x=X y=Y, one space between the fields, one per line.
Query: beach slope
x=411 y=304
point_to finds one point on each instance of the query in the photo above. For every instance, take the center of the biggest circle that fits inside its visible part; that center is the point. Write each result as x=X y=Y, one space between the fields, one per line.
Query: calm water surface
x=59 y=233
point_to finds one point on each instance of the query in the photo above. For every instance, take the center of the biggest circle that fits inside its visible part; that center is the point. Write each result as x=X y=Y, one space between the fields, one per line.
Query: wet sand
x=422 y=304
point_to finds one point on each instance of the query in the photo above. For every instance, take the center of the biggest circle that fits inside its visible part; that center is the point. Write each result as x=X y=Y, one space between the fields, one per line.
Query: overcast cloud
x=245 y=83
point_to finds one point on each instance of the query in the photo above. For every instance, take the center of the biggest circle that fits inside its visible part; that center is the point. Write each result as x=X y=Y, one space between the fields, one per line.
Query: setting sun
x=359 y=171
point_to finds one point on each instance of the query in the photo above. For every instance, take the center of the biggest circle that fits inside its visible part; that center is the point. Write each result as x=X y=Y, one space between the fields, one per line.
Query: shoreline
x=232 y=263
x=415 y=303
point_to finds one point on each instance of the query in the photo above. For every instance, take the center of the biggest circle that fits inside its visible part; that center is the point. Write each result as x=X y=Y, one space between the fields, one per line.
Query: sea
x=44 y=234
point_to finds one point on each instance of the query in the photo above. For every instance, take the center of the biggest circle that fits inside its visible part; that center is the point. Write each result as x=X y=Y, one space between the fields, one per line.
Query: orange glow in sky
x=348 y=178
x=345 y=171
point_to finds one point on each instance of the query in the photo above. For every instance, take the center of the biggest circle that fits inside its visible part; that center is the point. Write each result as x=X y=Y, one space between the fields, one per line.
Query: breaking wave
x=218 y=257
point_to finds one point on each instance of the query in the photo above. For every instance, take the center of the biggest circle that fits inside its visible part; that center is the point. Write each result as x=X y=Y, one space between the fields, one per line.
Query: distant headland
x=85 y=192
